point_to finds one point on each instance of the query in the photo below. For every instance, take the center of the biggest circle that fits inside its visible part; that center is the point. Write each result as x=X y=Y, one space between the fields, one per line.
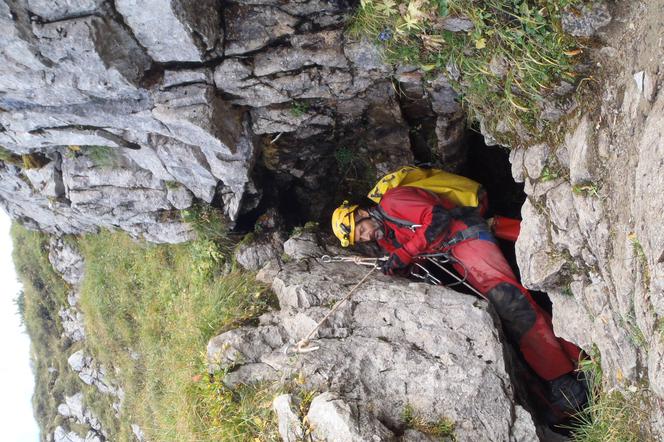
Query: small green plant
x=102 y=156
x=240 y=413
x=659 y=327
x=309 y=226
x=345 y=157
x=641 y=258
x=172 y=185
x=587 y=189
x=26 y=161
x=610 y=415
x=34 y=161
x=548 y=174
x=635 y=333
x=299 y=108
x=567 y=291
x=306 y=398
x=441 y=428
x=8 y=156
x=209 y=224
x=355 y=169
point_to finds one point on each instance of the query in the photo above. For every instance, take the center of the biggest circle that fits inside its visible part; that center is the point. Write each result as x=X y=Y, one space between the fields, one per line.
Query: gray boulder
x=396 y=344
x=253 y=255
x=74 y=408
x=93 y=374
x=290 y=427
x=332 y=419
x=588 y=20
x=66 y=260
x=72 y=324
x=175 y=30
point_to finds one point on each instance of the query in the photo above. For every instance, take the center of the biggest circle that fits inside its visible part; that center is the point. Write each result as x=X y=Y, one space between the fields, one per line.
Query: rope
x=303 y=345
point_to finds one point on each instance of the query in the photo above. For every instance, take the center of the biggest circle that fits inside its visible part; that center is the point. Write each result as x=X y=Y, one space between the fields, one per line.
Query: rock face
x=74 y=408
x=93 y=374
x=591 y=235
x=68 y=262
x=126 y=112
x=395 y=345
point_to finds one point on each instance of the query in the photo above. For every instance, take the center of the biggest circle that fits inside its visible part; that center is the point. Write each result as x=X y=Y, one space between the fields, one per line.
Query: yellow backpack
x=460 y=190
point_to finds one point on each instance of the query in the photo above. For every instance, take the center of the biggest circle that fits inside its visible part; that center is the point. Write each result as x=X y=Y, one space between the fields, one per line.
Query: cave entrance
x=490 y=166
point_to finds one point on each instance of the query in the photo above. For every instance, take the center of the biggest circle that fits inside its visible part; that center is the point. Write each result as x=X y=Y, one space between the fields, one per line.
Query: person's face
x=368 y=229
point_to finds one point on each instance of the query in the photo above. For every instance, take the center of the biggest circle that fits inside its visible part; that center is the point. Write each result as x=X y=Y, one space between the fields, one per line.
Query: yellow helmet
x=343 y=223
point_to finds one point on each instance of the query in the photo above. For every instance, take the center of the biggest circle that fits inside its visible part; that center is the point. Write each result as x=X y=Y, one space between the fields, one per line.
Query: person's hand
x=398 y=261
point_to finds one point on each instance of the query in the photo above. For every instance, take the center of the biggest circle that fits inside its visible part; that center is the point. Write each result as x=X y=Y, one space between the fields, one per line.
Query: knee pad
x=516 y=313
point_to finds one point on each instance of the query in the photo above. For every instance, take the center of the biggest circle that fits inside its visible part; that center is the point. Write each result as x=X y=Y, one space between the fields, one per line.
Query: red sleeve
x=420 y=207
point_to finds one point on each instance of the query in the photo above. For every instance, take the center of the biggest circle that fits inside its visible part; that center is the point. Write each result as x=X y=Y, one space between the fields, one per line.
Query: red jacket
x=420 y=207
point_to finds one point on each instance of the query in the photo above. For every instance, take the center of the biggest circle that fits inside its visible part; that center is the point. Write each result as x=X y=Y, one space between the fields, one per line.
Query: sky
x=17 y=422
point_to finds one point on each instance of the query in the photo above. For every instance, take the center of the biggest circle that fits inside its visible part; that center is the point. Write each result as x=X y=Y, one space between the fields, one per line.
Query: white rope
x=303 y=346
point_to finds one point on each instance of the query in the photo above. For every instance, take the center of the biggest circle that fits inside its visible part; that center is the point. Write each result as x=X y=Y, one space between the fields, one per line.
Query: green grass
x=503 y=68
x=641 y=258
x=636 y=335
x=164 y=303
x=586 y=189
x=356 y=172
x=611 y=415
x=102 y=156
x=442 y=428
x=209 y=225
x=549 y=174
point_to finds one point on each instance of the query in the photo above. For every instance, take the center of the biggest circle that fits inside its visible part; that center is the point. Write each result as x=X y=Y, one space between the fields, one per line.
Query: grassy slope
x=503 y=67
x=150 y=311
x=44 y=294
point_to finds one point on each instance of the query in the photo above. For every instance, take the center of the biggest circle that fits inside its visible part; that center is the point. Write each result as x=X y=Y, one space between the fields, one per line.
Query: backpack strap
x=380 y=214
x=478 y=231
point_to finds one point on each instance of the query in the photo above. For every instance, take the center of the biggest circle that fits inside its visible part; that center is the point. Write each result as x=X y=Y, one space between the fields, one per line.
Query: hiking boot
x=569 y=392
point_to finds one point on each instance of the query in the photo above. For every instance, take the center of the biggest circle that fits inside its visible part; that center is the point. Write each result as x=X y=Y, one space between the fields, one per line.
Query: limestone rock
x=535 y=158
x=66 y=260
x=586 y=21
x=61 y=435
x=253 y=255
x=138 y=432
x=86 y=81
x=540 y=266
x=389 y=347
x=72 y=323
x=333 y=419
x=92 y=374
x=228 y=349
x=74 y=408
x=52 y=10
x=252 y=27
x=174 y=30
x=411 y=435
x=303 y=245
x=582 y=157
x=290 y=427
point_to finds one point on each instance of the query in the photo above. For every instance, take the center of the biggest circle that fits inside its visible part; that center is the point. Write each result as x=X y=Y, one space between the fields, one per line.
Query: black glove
x=398 y=261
